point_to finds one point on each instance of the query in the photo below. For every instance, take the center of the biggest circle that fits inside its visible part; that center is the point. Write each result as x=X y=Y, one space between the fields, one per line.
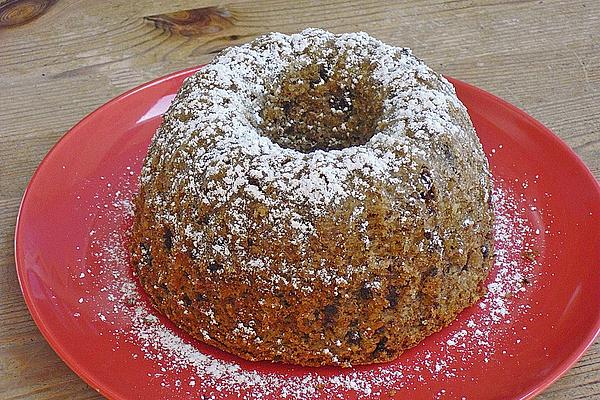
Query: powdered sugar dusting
x=213 y=153
x=320 y=179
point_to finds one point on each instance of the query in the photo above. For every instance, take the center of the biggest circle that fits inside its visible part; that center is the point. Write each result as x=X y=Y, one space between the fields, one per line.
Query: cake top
x=313 y=118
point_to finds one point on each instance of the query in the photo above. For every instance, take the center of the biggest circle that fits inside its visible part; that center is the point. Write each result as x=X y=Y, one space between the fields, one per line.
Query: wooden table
x=59 y=60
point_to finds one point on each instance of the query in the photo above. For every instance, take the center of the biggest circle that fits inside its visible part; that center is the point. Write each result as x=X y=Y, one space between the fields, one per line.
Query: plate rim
x=22 y=279
x=589 y=340
x=90 y=379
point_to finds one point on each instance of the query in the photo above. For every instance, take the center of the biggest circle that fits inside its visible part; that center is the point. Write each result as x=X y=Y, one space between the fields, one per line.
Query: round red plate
x=541 y=313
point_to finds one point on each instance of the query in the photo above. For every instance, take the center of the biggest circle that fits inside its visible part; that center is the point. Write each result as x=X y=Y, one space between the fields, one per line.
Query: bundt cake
x=314 y=199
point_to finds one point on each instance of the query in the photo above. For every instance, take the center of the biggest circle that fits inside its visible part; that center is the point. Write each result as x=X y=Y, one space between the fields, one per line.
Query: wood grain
x=20 y=12
x=542 y=56
x=194 y=22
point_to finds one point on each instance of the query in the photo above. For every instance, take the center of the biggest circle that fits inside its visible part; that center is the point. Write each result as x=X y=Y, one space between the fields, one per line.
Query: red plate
x=541 y=313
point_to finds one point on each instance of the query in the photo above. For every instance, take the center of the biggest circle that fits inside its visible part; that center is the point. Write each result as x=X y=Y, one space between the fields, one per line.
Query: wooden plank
x=543 y=56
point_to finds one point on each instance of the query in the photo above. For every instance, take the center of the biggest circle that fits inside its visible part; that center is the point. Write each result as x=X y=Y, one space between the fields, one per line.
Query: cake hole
x=329 y=105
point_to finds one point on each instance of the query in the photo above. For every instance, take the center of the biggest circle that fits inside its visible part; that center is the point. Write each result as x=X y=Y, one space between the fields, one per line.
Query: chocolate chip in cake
x=365 y=293
x=426 y=178
x=429 y=195
x=200 y=297
x=392 y=296
x=286 y=106
x=485 y=251
x=380 y=346
x=448 y=155
x=253 y=181
x=353 y=337
x=323 y=73
x=341 y=102
x=329 y=314
x=214 y=267
x=168 y=239
x=204 y=219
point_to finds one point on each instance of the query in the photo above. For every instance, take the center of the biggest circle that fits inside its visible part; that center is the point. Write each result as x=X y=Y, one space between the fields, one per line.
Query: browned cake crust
x=314 y=199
